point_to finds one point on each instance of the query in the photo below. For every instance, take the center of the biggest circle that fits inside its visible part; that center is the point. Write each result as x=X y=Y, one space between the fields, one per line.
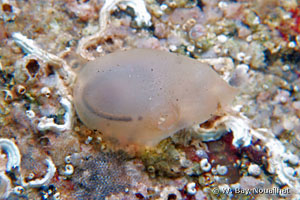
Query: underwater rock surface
x=254 y=45
x=142 y=95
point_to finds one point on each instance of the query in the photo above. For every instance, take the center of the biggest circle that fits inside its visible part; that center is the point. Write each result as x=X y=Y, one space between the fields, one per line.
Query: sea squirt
x=142 y=96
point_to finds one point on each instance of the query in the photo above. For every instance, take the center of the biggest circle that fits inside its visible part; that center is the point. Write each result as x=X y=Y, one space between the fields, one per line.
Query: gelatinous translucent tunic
x=141 y=96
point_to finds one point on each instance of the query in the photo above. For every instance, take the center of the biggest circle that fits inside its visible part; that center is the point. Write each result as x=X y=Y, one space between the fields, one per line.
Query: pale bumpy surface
x=142 y=96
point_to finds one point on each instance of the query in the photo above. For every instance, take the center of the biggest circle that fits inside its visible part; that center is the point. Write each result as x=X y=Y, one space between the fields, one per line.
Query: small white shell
x=69 y=170
x=205 y=165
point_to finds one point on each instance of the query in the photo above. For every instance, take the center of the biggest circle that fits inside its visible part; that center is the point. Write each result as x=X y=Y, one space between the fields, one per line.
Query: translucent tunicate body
x=142 y=96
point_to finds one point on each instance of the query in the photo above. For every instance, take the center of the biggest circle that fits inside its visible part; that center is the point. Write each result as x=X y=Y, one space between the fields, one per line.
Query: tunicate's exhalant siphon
x=142 y=96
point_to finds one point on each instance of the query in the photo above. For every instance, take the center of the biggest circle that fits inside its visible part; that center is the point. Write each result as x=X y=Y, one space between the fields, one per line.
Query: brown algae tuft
x=142 y=96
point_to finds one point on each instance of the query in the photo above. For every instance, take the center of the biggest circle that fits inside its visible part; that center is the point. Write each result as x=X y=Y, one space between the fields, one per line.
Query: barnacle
x=29 y=46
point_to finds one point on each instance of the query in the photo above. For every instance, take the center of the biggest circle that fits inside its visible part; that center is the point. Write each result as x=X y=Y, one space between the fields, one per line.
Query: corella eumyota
x=142 y=96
